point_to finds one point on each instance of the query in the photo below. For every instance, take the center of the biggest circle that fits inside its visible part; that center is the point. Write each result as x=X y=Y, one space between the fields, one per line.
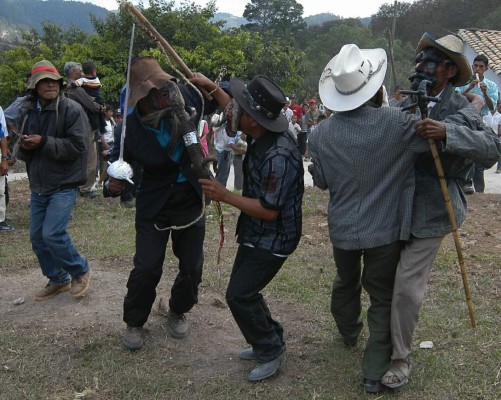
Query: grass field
x=71 y=349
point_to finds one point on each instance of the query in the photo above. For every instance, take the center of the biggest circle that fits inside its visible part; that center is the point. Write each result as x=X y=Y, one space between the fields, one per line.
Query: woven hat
x=453 y=48
x=145 y=74
x=263 y=100
x=43 y=70
x=352 y=77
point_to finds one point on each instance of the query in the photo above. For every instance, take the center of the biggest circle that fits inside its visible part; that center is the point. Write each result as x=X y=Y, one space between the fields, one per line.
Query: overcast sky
x=343 y=8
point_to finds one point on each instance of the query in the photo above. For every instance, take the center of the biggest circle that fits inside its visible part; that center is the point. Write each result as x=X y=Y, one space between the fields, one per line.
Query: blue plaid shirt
x=273 y=173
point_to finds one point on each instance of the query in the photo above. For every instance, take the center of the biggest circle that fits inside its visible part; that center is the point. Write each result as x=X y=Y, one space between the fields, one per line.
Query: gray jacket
x=365 y=158
x=61 y=160
x=468 y=140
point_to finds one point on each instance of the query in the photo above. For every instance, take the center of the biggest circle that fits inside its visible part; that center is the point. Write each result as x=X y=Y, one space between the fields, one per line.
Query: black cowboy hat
x=263 y=100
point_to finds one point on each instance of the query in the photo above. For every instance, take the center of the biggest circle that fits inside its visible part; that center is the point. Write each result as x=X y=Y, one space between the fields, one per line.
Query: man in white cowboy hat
x=269 y=226
x=364 y=154
x=53 y=141
x=168 y=199
x=440 y=62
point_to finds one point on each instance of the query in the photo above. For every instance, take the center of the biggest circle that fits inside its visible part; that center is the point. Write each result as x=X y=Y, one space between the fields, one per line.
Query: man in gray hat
x=53 y=143
x=442 y=63
x=270 y=222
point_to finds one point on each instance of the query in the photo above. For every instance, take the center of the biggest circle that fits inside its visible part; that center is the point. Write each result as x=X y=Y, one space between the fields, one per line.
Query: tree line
x=276 y=42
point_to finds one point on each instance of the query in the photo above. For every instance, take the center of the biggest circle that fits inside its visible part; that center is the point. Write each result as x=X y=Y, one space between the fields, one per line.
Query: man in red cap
x=53 y=139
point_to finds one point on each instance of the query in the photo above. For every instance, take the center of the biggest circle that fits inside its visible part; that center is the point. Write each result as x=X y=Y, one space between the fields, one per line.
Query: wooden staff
x=150 y=29
x=422 y=103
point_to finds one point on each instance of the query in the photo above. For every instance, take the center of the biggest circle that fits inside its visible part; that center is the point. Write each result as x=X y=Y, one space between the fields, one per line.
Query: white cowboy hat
x=352 y=77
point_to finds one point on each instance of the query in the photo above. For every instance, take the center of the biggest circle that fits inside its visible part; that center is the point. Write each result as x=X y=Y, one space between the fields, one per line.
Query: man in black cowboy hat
x=269 y=226
x=442 y=63
x=168 y=199
x=53 y=141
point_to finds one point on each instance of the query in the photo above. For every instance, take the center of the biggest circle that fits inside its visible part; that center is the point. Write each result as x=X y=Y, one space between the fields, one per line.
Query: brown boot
x=51 y=290
x=80 y=284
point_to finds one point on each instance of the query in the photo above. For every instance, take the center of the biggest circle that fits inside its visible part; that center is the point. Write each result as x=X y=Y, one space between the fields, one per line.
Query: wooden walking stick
x=422 y=102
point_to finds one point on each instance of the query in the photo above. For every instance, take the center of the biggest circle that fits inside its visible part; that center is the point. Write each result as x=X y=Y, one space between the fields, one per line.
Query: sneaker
x=177 y=325
x=80 y=284
x=133 y=338
x=5 y=227
x=498 y=171
x=468 y=189
x=267 y=369
x=51 y=290
x=247 y=354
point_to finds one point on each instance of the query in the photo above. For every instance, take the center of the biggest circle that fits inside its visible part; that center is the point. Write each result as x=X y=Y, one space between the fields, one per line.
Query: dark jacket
x=61 y=160
x=159 y=173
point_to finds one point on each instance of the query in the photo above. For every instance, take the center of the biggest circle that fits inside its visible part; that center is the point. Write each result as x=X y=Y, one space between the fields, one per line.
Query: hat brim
x=38 y=76
x=139 y=90
x=279 y=124
x=459 y=59
x=335 y=101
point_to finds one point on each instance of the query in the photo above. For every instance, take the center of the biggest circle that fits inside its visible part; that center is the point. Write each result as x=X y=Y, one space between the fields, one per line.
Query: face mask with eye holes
x=427 y=62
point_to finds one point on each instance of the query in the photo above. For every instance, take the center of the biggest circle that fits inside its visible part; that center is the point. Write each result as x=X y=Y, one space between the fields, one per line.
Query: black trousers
x=252 y=270
x=151 y=244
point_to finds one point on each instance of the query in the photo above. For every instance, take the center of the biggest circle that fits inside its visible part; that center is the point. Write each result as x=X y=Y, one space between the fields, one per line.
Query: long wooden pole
x=454 y=229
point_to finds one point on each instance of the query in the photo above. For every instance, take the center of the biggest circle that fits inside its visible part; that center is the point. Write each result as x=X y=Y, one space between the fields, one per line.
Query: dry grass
x=62 y=349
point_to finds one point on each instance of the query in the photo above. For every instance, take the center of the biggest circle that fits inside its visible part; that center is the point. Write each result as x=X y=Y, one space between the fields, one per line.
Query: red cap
x=312 y=101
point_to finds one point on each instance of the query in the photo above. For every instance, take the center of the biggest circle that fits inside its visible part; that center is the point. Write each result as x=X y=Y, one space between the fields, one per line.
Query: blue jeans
x=49 y=217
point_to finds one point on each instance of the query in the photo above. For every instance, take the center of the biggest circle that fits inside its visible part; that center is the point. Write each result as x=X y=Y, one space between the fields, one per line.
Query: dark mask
x=427 y=62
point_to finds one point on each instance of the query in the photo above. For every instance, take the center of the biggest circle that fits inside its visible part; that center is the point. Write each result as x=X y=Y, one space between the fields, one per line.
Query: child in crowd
x=92 y=86
x=294 y=127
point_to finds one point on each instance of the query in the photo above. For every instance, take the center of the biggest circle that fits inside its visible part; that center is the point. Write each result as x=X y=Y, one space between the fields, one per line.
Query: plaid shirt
x=273 y=173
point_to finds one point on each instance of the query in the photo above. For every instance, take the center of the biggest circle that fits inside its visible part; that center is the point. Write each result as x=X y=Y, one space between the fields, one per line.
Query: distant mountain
x=231 y=20
x=27 y=14
x=312 y=20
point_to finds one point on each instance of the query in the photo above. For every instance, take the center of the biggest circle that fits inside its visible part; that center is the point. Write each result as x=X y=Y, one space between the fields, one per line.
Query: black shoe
x=5 y=227
x=373 y=385
x=247 y=354
x=267 y=369
x=177 y=325
x=133 y=338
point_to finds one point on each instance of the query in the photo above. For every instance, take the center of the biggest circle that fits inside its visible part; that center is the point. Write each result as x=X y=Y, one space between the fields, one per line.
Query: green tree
x=281 y=16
